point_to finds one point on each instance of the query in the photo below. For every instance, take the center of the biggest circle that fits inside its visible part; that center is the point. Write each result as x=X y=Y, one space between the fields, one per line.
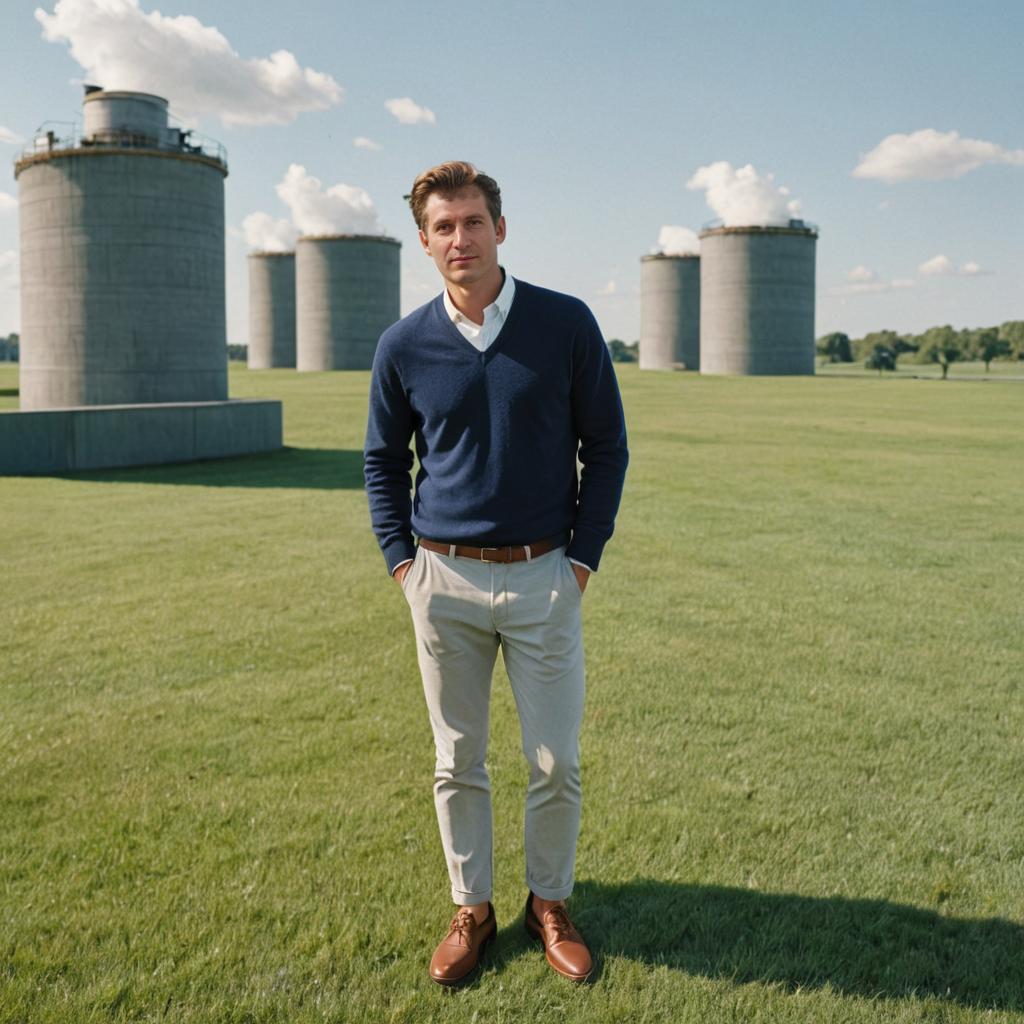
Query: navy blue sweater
x=497 y=432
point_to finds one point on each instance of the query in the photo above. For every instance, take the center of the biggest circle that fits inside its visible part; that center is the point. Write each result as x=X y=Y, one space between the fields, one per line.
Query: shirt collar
x=501 y=304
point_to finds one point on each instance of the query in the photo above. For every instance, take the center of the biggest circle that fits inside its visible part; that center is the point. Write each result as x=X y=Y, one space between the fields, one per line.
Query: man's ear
x=499 y=230
x=424 y=242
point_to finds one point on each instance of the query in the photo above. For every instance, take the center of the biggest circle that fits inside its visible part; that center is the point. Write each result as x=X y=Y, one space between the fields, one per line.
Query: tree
x=621 y=352
x=989 y=346
x=901 y=345
x=942 y=345
x=835 y=347
x=9 y=348
x=1012 y=332
x=882 y=358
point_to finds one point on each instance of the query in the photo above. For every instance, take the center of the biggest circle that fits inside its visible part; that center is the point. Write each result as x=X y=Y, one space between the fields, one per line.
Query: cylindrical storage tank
x=122 y=277
x=669 y=312
x=271 y=310
x=757 y=300
x=346 y=294
x=109 y=115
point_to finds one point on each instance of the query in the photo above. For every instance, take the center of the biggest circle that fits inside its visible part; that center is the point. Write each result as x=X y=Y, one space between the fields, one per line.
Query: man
x=503 y=385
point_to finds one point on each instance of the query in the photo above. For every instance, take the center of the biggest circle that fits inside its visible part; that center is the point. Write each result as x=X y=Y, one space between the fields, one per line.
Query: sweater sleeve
x=601 y=428
x=388 y=460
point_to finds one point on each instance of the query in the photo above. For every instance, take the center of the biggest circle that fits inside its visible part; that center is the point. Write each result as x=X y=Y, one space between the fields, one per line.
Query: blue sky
x=593 y=117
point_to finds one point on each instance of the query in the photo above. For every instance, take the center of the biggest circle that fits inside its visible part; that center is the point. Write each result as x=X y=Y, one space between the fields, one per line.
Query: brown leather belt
x=506 y=553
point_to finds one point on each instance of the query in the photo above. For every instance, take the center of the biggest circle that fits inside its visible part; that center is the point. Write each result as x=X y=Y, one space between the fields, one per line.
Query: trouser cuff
x=545 y=892
x=470 y=899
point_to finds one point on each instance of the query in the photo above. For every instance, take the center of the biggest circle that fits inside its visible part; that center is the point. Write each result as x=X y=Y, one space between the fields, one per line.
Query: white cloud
x=674 y=240
x=265 y=234
x=937 y=265
x=407 y=111
x=120 y=46
x=361 y=142
x=11 y=138
x=861 y=275
x=863 y=280
x=608 y=289
x=931 y=155
x=742 y=197
x=943 y=266
x=7 y=202
x=340 y=210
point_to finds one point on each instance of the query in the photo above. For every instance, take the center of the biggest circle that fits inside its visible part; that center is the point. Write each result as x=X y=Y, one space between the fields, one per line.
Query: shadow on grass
x=311 y=468
x=863 y=948
x=9 y=392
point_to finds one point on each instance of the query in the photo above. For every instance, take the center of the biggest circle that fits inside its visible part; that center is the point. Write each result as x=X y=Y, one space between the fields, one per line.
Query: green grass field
x=803 y=747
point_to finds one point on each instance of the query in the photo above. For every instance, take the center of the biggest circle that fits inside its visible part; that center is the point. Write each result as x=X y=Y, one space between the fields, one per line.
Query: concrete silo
x=122 y=261
x=123 y=347
x=271 y=310
x=346 y=294
x=670 y=312
x=757 y=299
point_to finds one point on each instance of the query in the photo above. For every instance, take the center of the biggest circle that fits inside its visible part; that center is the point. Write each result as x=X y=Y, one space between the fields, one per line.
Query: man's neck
x=472 y=301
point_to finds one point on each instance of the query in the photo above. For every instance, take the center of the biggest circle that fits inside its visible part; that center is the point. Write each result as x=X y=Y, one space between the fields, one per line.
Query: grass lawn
x=803 y=747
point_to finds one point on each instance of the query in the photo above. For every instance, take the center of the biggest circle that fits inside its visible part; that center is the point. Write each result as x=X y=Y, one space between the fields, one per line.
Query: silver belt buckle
x=484 y=558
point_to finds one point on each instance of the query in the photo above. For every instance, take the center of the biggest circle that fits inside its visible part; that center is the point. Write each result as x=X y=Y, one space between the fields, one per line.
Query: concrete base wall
x=102 y=437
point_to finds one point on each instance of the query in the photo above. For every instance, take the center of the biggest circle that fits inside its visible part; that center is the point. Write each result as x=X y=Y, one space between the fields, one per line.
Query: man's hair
x=447 y=180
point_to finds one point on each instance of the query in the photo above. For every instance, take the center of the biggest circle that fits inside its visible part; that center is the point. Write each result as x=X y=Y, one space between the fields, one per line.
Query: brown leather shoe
x=460 y=950
x=563 y=945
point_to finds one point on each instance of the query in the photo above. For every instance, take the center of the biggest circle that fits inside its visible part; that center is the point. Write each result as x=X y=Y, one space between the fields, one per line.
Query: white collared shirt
x=481 y=336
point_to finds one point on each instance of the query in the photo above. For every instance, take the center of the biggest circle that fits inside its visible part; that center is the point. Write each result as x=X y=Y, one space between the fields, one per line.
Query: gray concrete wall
x=271 y=310
x=670 y=312
x=346 y=293
x=122 y=279
x=98 y=437
x=757 y=301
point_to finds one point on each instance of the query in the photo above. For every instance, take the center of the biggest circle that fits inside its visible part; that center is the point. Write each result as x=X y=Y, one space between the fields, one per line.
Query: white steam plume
x=341 y=210
x=407 y=111
x=121 y=46
x=744 y=198
x=7 y=202
x=265 y=234
x=9 y=137
x=931 y=155
x=674 y=240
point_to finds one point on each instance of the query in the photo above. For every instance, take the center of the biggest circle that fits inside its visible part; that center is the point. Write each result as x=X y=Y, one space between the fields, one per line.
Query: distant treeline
x=9 y=350
x=882 y=350
x=623 y=353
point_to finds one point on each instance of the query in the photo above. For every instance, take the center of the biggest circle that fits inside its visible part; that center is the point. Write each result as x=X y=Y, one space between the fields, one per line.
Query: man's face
x=461 y=238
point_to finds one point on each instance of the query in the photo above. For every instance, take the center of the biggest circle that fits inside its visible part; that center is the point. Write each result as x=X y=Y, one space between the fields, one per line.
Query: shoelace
x=558 y=919
x=462 y=923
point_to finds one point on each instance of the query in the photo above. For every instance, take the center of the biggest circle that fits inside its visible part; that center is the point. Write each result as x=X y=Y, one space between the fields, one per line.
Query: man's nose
x=461 y=236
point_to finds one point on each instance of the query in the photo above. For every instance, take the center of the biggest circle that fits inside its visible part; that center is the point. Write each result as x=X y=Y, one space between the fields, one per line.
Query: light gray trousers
x=463 y=611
